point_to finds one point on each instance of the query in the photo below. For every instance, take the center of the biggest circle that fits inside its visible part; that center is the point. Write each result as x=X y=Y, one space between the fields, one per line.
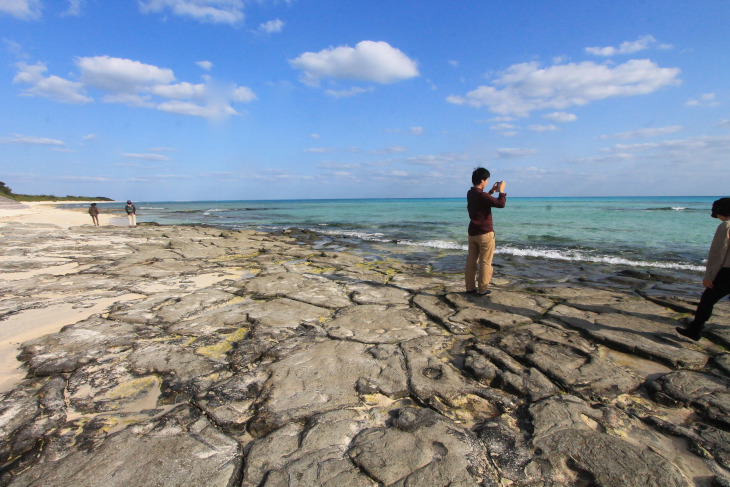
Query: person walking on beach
x=131 y=213
x=717 y=273
x=478 y=272
x=94 y=212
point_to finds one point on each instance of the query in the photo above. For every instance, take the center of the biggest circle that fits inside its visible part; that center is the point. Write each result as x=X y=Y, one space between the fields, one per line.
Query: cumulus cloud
x=54 y=87
x=147 y=157
x=511 y=153
x=628 y=47
x=21 y=9
x=206 y=65
x=121 y=75
x=272 y=26
x=355 y=90
x=211 y=11
x=644 y=133
x=543 y=128
x=562 y=117
x=74 y=7
x=368 y=61
x=704 y=100
x=31 y=140
x=137 y=84
x=526 y=87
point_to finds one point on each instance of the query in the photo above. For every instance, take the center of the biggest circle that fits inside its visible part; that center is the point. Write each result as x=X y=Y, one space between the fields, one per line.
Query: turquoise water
x=665 y=232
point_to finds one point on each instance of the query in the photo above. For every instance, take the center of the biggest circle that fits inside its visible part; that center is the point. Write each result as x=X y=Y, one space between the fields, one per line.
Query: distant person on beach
x=478 y=272
x=94 y=212
x=131 y=213
x=717 y=273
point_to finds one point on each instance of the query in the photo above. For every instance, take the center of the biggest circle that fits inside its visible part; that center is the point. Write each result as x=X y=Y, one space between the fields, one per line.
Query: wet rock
x=430 y=449
x=180 y=448
x=288 y=397
x=79 y=344
x=571 y=445
x=314 y=290
x=378 y=324
x=500 y=310
x=638 y=336
x=369 y=293
x=708 y=395
x=568 y=359
x=313 y=454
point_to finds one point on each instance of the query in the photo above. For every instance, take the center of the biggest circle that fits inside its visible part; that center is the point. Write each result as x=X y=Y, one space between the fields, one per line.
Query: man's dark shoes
x=484 y=293
x=471 y=291
x=688 y=333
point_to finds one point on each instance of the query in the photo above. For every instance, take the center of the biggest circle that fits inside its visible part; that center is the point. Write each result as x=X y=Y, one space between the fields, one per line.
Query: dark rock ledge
x=225 y=358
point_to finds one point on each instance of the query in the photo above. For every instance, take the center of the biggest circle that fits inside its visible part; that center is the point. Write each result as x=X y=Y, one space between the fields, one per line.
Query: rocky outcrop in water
x=235 y=358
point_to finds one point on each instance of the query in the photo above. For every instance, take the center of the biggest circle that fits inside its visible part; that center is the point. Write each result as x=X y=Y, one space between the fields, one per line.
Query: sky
x=190 y=100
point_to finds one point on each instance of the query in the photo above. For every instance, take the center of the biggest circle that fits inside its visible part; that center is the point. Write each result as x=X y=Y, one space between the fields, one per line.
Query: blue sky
x=156 y=100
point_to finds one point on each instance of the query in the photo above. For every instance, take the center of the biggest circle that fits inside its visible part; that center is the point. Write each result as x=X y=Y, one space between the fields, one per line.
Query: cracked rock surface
x=200 y=356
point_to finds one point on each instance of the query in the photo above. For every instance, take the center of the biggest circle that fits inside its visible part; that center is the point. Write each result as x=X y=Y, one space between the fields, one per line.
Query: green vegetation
x=8 y=193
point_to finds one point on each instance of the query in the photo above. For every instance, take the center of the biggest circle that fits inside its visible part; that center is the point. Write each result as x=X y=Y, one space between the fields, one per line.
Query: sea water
x=647 y=232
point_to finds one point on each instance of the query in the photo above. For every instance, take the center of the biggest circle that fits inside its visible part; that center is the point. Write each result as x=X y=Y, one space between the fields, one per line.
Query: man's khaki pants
x=479 y=259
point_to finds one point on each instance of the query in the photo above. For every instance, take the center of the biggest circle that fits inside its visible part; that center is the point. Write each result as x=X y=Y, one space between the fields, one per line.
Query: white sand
x=35 y=323
x=47 y=212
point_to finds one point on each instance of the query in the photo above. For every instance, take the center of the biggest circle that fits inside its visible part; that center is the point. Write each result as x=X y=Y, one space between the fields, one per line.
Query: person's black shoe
x=471 y=291
x=484 y=293
x=687 y=333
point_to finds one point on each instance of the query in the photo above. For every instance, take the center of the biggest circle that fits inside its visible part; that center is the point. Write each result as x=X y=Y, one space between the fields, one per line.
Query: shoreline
x=225 y=345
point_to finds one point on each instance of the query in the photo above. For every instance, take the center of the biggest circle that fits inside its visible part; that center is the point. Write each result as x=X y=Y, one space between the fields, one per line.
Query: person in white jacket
x=717 y=273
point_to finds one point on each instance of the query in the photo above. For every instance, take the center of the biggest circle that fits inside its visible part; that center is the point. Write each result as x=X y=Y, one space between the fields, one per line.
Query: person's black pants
x=720 y=289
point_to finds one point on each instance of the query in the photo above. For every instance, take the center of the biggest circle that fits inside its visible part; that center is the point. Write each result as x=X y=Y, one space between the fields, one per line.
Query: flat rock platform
x=181 y=355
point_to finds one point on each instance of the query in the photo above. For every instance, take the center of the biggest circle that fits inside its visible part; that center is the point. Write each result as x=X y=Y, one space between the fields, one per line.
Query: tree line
x=7 y=192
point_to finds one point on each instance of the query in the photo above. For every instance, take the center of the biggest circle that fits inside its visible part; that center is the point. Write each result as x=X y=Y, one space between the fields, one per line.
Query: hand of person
x=501 y=185
x=494 y=188
x=707 y=283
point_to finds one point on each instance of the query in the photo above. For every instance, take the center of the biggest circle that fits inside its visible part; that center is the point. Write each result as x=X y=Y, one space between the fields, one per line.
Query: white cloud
x=137 y=84
x=213 y=112
x=704 y=100
x=724 y=123
x=74 y=7
x=395 y=149
x=500 y=127
x=644 y=133
x=31 y=140
x=562 y=117
x=367 y=61
x=89 y=137
x=53 y=87
x=527 y=87
x=315 y=136
x=147 y=157
x=511 y=153
x=628 y=47
x=543 y=128
x=121 y=75
x=21 y=9
x=416 y=130
x=355 y=90
x=206 y=65
x=435 y=160
x=272 y=26
x=453 y=63
x=213 y=11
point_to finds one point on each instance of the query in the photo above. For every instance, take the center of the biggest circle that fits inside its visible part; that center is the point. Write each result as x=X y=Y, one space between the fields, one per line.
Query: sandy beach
x=215 y=357
x=49 y=213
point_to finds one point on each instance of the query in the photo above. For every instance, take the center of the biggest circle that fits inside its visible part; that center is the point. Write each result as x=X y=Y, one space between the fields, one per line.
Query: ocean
x=633 y=232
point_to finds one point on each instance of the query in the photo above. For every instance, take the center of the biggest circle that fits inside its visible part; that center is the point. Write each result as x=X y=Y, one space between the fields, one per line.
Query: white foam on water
x=578 y=256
